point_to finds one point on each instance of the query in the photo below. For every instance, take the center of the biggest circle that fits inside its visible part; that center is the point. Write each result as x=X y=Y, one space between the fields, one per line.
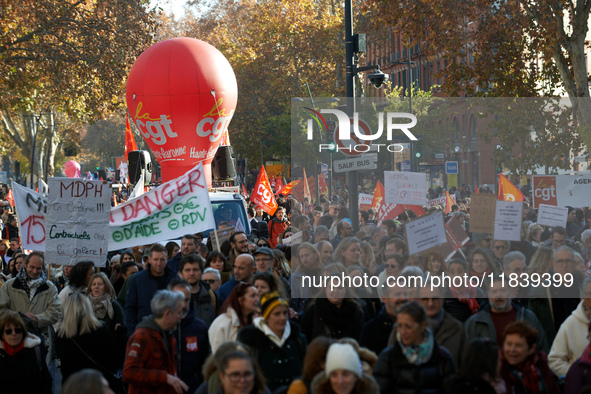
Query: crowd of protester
x=179 y=317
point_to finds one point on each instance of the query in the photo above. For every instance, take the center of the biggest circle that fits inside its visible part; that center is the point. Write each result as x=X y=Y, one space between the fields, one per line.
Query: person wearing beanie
x=278 y=345
x=343 y=373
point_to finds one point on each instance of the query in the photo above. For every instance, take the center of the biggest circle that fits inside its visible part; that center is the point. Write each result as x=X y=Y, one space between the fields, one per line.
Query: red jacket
x=276 y=228
x=147 y=361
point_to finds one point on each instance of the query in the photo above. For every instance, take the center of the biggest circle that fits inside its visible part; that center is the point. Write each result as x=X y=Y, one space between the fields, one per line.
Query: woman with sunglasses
x=236 y=312
x=263 y=243
x=21 y=360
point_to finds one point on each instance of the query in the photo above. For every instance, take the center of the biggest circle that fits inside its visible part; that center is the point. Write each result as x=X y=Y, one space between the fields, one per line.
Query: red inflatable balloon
x=181 y=94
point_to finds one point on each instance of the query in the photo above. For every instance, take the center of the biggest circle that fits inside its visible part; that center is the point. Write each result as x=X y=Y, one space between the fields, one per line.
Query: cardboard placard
x=222 y=236
x=482 y=212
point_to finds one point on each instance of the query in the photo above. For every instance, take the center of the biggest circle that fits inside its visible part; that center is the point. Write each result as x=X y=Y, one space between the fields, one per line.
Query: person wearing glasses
x=239 y=374
x=21 y=360
x=212 y=277
x=499 y=249
x=554 y=304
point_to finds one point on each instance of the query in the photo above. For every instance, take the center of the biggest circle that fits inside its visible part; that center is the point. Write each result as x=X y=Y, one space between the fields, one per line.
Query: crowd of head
x=269 y=310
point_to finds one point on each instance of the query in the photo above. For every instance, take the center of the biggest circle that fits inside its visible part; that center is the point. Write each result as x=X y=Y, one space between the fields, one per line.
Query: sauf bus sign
x=344 y=130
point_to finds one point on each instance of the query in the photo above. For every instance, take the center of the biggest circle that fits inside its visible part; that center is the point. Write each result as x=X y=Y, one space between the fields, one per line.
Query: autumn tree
x=520 y=48
x=63 y=63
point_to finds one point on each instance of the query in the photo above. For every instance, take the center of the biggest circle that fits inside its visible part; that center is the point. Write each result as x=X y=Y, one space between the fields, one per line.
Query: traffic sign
x=362 y=163
x=347 y=147
x=451 y=167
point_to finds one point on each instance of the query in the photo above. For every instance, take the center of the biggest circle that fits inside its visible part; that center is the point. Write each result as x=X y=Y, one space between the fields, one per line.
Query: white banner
x=31 y=209
x=365 y=201
x=508 y=217
x=180 y=206
x=562 y=190
x=549 y=215
x=405 y=187
x=77 y=225
x=425 y=232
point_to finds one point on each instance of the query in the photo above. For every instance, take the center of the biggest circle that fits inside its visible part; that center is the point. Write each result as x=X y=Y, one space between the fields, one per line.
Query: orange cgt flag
x=285 y=190
x=129 y=140
x=262 y=195
x=508 y=191
x=448 y=202
x=322 y=184
x=10 y=198
x=378 y=197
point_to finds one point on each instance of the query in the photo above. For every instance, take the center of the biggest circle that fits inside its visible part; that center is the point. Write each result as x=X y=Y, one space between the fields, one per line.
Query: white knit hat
x=343 y=356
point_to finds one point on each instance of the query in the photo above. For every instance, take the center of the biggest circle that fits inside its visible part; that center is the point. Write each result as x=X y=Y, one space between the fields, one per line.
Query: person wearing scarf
x=23 y=367
x=523 y=367
x=415 y=363
x=102 y=297
x=278 y=345
x=461 y=298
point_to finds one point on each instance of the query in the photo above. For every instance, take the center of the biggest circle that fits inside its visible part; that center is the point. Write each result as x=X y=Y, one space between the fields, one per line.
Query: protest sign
x=31 y=208
x=561 y=190
x=295 y=239
x=508 y=215
x=549 y=215
x=455 y=233
x=440 y=201
x=180 y=206
x=218 y=237
x=77 y=222
x=482 y=212
x=365 y=201
x=425 y=232
x=405 y=187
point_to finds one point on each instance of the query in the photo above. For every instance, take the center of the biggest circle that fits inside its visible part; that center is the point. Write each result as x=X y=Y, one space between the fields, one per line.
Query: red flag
x=416 y=209
x=386 y=211
x=448 y=202
x=115 y=203
x=285 y=190
x=322 y=184
x=129 y=140
x=278 y=183
x=244 y=192
x=508 y=191
x=476 y=189
x=10 y=198
x=262 y=195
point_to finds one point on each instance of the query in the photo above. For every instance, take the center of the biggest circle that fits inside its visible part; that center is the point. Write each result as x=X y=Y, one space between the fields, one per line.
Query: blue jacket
x=173 y=263
x=225 y=290
x=142 y=288
x=193 y=348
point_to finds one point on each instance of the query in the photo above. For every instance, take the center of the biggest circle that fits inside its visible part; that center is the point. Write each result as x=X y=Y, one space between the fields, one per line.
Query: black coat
x=375 y=333
x=395 y=375
x=279 y=365
x=24 y=372
x=100 y=345
x=324 y=318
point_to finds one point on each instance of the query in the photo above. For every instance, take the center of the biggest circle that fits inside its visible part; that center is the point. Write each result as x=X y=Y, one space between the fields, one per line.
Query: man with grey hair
x=515 y=263
x=150 y=362
x=490 y=321
x=552 y=305
x=586 y=240
x=213 y=278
